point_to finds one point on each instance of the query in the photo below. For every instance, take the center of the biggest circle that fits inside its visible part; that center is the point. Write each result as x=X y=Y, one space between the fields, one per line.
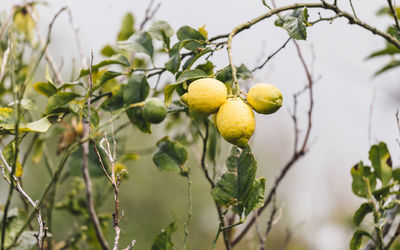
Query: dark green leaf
x=116 y=59
x=225 y=191
x=207 y=67
x=232 y=161
x=163 y=241
x=246 y=168
x=193 y=38
x=295 y=23
x=359 y=172
x=382 y=192
x=45 y=88
x=356 y=240
x=127 y=28
x=396 y=174
x=381 y=162
x=108 y=75
x=226 y=74
x=135 y=115
x=116 y=101
x=139 y=42
x=60 y=99
x=174 y=61
x=191 y=74
x=137 y=89
x=361 y=212
x=170 y=156
x=256 y=196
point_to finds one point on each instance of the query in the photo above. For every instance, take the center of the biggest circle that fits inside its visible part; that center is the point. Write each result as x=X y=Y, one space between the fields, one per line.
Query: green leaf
x=246 y=168
x=393 y=64
x=191 y=74
x=136 y=90
x=162 y=31
x=140 y=42
x=256 y=196
x=359 y=172
x=108 y=51
x=226 y=74
x=108 y=75
x=94 y=116
x=361 y=212
x=232 y=161
x=396 y=174
x=381 y=162
x=40 y=126
x=389 y=50
x=174 y=60
x=169 y=91
x=194 y=39
x=25 y=104
x=127 y=28
x=135 y=115
x=387 y=11
x=116 y=101
x=116 y=59
x=207 y=67
x=242 y=191
x=295 y=23
x=170 y=156
x=382 y=192
x=163 y=241
x=356 y=240
x=225 y=191
x=213 y=147
x=58 y=100
x=45 y=88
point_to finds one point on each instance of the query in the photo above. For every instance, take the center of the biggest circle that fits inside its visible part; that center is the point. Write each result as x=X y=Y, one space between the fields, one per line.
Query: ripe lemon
x=184 y=98
x=265 y=98
x=154 y=110
x=206 y=95
x=235 y=121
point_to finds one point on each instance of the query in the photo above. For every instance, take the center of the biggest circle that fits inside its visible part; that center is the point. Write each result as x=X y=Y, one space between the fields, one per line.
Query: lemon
x=184 y=98
x=206 y=95
x=154 y=110
x=235 y=122
x=265 y=98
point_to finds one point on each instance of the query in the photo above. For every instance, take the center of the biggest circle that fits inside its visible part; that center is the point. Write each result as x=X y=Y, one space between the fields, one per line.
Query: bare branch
x=75 y=27
x=352 y=8
x=298 y=153
x=149 y=13
x=85 y=171
x=272 y=55
x=394 y=13
x=49 y=57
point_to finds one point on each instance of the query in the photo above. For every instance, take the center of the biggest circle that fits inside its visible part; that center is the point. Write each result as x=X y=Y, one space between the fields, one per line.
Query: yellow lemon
x=184 y=98
x=206 y=95
x=265 y=98
x=235 y=122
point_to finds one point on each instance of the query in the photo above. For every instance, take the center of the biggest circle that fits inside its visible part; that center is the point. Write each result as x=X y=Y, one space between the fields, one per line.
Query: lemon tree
x=86 y=130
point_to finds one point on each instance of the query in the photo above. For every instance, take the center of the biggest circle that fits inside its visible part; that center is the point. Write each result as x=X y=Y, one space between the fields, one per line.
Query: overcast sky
x=320 y=184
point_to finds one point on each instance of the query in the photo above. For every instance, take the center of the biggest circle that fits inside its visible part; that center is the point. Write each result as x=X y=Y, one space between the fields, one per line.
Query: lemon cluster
x=235 y=118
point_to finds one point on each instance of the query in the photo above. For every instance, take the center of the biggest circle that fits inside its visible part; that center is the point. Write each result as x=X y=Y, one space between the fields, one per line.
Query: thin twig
x=296 y=155
x=272 y=55
x=85 y=171
x=352 y=8
x=42 y=232
x=49 y=57
x=75 y=27
x=149 y=13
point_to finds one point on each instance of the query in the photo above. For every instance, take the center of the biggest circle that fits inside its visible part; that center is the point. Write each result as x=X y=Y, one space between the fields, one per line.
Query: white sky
x=319 y=187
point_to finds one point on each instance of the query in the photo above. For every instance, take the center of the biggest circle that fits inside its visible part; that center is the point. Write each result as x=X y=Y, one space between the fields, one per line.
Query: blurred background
x=315 y=198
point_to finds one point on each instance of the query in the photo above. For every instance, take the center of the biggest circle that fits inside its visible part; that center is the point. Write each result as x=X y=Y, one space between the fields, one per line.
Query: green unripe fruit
x=154 y=110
